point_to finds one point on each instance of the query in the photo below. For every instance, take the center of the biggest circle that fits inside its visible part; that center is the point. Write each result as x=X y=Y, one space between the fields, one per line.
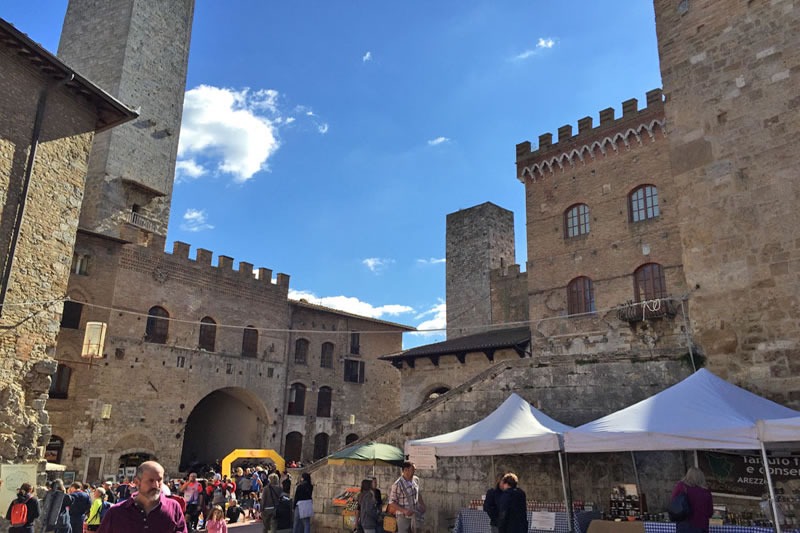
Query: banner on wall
x=13 y=477
x=743 y=475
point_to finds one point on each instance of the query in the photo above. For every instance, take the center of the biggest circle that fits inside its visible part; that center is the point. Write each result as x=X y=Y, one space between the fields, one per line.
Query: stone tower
x=479 y=240
x=138 y=50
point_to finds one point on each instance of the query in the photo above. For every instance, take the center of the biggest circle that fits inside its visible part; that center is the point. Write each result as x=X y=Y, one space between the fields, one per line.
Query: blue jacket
x=81 y=503
x=513 y=516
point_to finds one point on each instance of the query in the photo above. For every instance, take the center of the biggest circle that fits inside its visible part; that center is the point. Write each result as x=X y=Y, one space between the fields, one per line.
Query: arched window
x=324 y=398
x=71 y=315
x=208 y=334
x=649 y=282
x=576 y=220
x=326 y=358
x=643 y=203
x=297 y=399
x=294 y=446
x=157 y=326
x=580 y=296
x=250 y=341
x=321 y=445
x=300 y=351
x=352 y=437
x=59 y=386
x=52 y=453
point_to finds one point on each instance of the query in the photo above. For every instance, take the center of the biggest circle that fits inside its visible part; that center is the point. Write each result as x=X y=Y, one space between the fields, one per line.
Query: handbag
x=389 y=523
x=678 y=508
x=305 y=509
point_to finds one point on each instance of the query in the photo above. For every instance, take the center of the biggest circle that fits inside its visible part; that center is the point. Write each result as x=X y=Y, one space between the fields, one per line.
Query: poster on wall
x=743 y=475
x=13 y=476
x=130 y=472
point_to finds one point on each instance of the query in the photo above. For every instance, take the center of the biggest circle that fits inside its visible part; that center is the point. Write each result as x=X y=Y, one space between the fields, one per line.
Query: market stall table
x=477 y=521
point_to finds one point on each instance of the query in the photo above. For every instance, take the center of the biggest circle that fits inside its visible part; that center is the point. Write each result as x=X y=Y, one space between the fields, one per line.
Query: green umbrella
x=373 y=453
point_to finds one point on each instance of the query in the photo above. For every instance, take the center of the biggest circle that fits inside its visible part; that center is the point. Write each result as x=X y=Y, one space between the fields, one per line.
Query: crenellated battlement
x=610 y=137
x=225 y=265
x=506 y=272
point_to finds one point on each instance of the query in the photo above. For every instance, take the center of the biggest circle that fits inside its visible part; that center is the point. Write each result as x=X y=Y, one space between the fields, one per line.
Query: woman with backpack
x=97 y=510
x=23 y=510
x=701 y=504
x=303 y=506
x=368 y=514
x=57 y=503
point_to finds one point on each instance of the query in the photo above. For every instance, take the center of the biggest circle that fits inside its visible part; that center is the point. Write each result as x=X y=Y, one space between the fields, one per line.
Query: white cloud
x=437 y=140
x=367 y=57
x=289 y=120
x=431 y=261
x=376 y=264
x=230 y=125
x=351 y=304
x=195 y=220
x=434 y=325
x=189 y=168
x=545 y=43
x=323 y=128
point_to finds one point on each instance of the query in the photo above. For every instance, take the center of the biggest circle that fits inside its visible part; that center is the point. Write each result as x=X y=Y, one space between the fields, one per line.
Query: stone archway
x=224 y=420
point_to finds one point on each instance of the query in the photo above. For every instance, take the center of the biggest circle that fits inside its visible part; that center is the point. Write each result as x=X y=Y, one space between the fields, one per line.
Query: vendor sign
x=743 y=475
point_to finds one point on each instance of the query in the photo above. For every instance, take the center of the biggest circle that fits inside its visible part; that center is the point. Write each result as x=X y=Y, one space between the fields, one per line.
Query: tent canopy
x=701 y=412
x=514 y=427
x=373 y=453
x=779 y=430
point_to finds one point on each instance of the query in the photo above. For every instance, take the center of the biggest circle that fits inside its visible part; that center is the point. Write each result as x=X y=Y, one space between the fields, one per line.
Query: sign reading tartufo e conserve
x=743 y=475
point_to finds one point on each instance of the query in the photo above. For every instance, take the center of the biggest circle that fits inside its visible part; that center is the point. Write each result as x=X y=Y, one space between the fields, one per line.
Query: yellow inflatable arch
x=255 y=454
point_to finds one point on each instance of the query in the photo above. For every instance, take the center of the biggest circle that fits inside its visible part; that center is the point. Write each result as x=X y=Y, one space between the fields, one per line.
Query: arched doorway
x=320 y=446
x=221 y=422
x=352 y=437
x=293 y=450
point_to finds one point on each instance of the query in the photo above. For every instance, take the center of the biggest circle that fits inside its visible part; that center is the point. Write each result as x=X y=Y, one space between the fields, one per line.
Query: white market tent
x=701 y=412
x=514 y=427
x=779 y=430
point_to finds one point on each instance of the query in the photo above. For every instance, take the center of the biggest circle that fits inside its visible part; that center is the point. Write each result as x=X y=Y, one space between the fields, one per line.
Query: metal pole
x=636 y=475
x=776 y=521
x=696 y=460
x=494 y=474
x=566 y=492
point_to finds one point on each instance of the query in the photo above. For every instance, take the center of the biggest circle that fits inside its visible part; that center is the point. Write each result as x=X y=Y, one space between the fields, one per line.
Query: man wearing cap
x=110 y=496
x=148 y=509
x=25 y=496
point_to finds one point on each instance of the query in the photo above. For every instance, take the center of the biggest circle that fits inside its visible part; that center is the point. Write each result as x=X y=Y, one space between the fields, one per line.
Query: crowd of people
x=186 y=505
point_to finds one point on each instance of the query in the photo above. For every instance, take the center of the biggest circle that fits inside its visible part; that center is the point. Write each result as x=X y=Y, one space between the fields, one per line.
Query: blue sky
x=329 y=139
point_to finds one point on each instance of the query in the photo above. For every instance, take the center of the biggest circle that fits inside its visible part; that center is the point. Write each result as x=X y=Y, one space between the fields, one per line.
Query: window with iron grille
x=59 y=386
x=157 y=327
x=324 y=400
x=301 y=351
x=297 y=399
x=580 y=296
x=353 y=371
x=643 y=203
x=208 y=334
x=576 y=220
x=326 y=357
x=249 y=341
x=649 y=282
x=355 y=343
x=71 y=316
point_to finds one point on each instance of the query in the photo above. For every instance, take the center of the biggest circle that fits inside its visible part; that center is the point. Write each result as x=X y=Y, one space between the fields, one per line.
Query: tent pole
x=494 y=475
x=636 y=474
x=776 y=519
x=563 y=464
x=696 y=460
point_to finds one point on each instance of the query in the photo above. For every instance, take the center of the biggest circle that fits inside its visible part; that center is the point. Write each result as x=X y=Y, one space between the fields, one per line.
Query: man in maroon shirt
x=148 y=510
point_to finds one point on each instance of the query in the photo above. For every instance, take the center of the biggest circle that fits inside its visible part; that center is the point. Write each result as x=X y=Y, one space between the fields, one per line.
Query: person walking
x=367 y=507
x=81 y=503
x=96 y=511
x=491 y=503
x=148 y=510
x=303 y=506
x=379 y=501
x=57 y=503
x=270 y=497
x=701 y=503
x=23 y=511
x=513 y=509
x=405 y=501
x=191 y=490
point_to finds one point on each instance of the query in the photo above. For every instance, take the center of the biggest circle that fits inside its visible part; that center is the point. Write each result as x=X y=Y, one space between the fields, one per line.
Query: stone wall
x=509 y=295
x=479 y=240
x=44 y=250
x=730 y=73
x=139 y=51
x=570 y=392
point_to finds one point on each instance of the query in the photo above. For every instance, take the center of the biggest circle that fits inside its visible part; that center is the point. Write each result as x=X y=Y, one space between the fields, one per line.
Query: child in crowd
x=216 y=522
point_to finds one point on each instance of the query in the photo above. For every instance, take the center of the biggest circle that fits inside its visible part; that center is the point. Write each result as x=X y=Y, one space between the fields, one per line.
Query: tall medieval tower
x=479 y=240
x=139 y=51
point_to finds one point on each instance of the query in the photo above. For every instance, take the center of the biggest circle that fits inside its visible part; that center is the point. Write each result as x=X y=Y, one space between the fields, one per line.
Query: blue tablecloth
x=668 y=527
x=477 y=521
